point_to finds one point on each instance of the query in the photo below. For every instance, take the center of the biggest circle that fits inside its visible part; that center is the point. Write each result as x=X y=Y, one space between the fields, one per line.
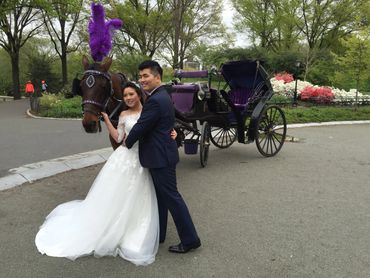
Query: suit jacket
x=156 y=147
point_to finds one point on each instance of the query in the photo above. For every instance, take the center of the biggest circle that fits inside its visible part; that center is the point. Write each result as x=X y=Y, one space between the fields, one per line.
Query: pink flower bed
x=317 y=94
x=286 y=77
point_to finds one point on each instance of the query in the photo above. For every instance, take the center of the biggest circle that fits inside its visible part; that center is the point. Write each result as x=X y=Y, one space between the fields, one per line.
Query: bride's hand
x=105 y=116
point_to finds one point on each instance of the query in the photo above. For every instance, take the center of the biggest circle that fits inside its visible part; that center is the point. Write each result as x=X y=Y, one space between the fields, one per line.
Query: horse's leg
x=113 y=142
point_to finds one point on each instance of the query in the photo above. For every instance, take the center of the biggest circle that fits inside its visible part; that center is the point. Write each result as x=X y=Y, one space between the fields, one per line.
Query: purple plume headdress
x=101 y=32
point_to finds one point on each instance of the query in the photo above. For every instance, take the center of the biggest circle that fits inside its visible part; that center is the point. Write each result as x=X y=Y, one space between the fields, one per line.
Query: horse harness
x=90 y=82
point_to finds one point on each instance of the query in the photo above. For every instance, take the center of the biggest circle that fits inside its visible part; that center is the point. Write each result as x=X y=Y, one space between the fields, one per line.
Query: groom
x=158 y=152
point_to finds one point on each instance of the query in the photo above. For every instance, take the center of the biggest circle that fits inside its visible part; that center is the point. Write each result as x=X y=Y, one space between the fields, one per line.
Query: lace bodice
x=125 y=123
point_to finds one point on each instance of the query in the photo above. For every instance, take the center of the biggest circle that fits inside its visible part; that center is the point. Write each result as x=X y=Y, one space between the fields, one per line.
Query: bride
x=119 y=215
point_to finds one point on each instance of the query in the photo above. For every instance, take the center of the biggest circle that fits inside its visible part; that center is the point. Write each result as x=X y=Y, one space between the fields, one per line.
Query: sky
x=227 y=17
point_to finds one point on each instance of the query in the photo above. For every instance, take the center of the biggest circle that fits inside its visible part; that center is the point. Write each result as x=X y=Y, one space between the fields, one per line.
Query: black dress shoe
x=181 y=248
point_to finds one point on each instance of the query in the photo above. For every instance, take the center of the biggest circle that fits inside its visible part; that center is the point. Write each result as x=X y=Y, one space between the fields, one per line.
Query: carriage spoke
x=278 y=127
x=271 y=130
x=219 y=131
x=273 y=141
x=264 y=140
x=268 y=144
x=277 y=137
x=222 y=137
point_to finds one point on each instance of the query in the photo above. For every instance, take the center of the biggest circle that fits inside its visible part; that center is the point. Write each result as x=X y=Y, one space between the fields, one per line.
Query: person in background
x=30 y=89
x=44 y=86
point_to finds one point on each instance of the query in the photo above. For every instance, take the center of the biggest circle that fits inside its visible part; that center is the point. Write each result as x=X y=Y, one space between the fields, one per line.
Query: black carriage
x=237 y=110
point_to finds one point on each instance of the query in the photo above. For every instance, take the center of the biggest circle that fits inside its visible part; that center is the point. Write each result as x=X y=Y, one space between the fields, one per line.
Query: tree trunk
x=64 y=69
x=15 y=75
x=177 y=30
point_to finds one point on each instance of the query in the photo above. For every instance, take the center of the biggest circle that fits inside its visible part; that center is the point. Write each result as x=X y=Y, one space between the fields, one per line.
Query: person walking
x=44 y=86
x=30 y=89
x=159 y=153
x=30 y=92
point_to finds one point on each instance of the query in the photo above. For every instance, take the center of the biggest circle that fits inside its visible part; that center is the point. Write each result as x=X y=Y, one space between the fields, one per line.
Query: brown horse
x=100 y=91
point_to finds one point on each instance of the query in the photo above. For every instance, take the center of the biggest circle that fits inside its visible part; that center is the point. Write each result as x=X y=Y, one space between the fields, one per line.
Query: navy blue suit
x=158 y=152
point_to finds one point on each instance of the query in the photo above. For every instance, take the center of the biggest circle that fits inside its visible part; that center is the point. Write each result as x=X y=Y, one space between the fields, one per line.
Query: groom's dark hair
x=154 y=67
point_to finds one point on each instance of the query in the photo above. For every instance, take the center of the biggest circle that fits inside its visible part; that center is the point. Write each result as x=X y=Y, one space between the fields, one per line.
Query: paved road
x=303 y=213
x=25 y=140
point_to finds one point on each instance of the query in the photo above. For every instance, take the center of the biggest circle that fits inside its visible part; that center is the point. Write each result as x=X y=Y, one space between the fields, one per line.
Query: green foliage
x=215 y=56
x=279 y=99
x=128 y=64
x=39 y=68
x=354 y=66
x=322 y=71
x=192 y=22
x=325 y=114
x=75 y=68
x=5 y=73
x=145 y=26
x=284 y=61
x=55 y=105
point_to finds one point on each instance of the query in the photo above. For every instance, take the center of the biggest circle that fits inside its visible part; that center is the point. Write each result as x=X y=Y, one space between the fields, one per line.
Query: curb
x=328 y=124
x=28 y=112
x=35 y=171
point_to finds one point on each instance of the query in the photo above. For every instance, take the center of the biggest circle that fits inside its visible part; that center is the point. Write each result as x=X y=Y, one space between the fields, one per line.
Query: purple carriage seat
x=240 y=97
x=242 y=77
x=183 y=97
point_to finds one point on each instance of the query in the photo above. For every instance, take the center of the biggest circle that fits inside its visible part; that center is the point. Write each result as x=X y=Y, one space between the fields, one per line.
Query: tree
x=19 y=22
x=128 y=64
x=271 y=23
x=60 y=19
x=354 y=65
x=38 y=61
x=192 y=20
x=146 y=25
x=324 y=23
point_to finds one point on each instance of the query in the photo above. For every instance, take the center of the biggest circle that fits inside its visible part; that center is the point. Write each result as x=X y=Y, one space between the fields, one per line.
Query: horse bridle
x=90 y=82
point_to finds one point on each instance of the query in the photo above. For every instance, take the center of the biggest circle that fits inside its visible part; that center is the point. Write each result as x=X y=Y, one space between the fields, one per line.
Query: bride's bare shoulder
x=123 y=113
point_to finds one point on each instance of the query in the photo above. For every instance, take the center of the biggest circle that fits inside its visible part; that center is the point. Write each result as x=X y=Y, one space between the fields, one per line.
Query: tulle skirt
x=119 y=216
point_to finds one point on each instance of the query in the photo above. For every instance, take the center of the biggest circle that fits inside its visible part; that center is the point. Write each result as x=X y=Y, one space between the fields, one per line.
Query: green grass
x=326 y=114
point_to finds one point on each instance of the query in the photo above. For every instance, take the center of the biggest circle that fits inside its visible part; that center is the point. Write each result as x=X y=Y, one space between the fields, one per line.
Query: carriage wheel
x=271 y=131
x=204 y=143
x=223 y=137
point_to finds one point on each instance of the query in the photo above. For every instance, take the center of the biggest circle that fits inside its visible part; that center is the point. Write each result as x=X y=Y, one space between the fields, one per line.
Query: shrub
x=317 y=94
x=284 y=76
x=56 y=105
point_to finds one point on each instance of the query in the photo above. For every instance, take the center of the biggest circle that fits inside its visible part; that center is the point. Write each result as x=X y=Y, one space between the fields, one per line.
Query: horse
x=100 y=91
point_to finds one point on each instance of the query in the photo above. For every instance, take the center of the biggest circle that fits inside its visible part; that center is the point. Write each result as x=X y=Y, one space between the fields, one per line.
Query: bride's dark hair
x=137 y=89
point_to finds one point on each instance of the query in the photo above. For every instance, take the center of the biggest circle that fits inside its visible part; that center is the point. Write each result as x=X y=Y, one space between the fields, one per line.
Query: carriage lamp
x=201 y=95
x=203 y=91
x=177 y=73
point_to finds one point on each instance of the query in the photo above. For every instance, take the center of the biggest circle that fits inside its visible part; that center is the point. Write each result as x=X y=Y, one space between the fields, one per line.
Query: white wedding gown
x=119 y=215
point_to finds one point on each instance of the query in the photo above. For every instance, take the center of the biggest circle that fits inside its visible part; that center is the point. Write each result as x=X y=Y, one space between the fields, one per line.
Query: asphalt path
x=25 y=140
x=302 y=213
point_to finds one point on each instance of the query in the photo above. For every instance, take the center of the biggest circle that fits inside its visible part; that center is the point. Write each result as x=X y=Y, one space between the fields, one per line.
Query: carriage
x=237 y=111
